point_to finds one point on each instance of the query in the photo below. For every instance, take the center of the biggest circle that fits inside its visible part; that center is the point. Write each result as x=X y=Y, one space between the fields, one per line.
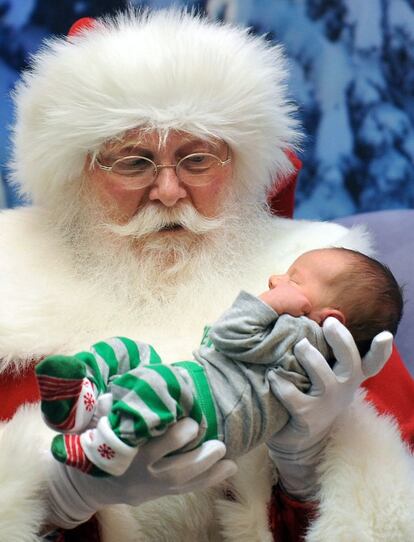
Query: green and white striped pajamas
x=146 y=397
x=227 y=389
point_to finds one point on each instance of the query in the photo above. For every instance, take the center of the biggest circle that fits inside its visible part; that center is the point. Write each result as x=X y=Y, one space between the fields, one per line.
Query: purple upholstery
x=393 y=232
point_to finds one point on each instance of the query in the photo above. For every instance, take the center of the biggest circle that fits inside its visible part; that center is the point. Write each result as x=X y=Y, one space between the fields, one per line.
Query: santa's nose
x=167 y=188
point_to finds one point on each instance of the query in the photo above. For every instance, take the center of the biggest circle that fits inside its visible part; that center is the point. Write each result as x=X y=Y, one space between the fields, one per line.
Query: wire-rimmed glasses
x=196 y=169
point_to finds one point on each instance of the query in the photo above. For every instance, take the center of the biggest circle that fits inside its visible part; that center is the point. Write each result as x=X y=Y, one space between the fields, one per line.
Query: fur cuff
x=23 y=444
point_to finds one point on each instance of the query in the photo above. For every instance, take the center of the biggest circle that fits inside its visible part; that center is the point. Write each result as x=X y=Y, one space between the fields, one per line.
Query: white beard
x=161 y=273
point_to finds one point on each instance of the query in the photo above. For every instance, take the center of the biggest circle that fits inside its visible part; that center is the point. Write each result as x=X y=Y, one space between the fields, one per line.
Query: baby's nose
x=274 y=280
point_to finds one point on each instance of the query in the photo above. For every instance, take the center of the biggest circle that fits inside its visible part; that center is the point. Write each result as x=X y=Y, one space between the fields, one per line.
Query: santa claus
x=147 y=145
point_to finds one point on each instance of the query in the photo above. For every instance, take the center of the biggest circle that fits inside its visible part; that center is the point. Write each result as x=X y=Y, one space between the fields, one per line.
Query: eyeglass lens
x=195 y=169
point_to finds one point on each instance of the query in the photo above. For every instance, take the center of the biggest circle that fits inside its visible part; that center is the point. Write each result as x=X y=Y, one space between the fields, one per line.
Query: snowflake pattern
x=89 y=401
x=106 y=451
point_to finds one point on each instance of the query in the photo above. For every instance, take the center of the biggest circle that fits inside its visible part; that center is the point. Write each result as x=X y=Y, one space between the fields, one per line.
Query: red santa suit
x=367 y=472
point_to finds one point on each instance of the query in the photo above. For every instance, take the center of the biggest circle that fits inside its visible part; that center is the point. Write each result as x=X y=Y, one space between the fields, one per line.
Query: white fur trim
x=207 y=516
x=246 y=519
x=357 y=238
x=167 y=70
x=23 y=443
x=178 y=519
x=367 y=492
x=117 y=523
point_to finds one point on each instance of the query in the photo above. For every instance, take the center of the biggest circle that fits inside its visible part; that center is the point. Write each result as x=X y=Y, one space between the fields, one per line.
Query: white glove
x=296 y=449
x=74 y=496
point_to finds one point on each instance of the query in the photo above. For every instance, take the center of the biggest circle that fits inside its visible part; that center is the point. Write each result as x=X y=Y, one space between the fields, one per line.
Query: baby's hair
x=369 y=296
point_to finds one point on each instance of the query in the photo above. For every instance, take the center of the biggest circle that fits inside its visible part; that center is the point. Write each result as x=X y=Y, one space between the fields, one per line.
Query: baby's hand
x=286 y=298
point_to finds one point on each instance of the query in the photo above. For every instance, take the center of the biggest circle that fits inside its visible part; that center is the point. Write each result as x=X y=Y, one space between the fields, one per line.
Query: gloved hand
x=74 y=496
x=297 y=448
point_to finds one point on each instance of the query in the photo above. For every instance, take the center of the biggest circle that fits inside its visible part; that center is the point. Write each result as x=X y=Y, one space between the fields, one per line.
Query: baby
x=227 y=387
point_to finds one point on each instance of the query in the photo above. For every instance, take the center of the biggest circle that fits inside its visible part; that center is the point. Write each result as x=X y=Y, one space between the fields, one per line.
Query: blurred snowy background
x=352 y=76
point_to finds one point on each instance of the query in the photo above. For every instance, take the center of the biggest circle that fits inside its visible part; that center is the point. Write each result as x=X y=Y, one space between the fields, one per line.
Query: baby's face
x=313 y=275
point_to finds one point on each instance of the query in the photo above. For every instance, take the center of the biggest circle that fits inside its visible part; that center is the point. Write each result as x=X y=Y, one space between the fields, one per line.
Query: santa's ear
x=335 y=313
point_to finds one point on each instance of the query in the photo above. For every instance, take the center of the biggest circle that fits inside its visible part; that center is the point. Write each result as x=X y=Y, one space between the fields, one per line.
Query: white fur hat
x=167 y=69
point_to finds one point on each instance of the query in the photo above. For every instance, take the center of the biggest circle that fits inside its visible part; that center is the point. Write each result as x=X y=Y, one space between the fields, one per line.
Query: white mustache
x=153 y=218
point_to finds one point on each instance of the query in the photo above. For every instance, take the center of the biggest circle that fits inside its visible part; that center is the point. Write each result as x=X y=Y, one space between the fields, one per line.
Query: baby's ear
x=335 y=313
